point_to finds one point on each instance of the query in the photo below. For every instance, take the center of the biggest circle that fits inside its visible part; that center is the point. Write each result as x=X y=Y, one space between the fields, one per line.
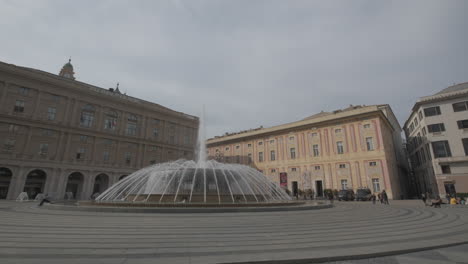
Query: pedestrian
x=453 y=201
x=330 y=197
x=384 y=197
x=448 y=198
x=462 y=201
x=373 y=198
x=46 y=199
x=436 y=202
x=380 y=197
x=423 y=198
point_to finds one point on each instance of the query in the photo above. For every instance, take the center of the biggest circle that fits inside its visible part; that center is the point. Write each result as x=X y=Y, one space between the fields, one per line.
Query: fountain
x=186 y=182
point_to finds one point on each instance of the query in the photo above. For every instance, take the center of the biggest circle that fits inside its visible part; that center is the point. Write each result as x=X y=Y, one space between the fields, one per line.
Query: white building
x=437 y=134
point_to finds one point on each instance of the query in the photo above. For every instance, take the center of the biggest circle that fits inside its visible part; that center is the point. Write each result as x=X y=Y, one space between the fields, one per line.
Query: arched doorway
x=74 y=185
x=101 y=183
x=5 y=179
x=35 y=182
x=122 y=177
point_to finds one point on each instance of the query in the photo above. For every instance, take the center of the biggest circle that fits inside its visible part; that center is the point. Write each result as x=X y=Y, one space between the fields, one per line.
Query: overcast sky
x=251 y=63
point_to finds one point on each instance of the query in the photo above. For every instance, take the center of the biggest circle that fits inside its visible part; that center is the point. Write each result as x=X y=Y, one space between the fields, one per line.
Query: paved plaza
x=351 y=232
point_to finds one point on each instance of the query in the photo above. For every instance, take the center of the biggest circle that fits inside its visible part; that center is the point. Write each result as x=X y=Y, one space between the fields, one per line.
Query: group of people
x=382 y=196
x=451 y=199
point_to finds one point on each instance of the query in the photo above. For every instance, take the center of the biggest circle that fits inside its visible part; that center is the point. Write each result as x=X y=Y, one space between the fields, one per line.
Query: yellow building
x=356 y=147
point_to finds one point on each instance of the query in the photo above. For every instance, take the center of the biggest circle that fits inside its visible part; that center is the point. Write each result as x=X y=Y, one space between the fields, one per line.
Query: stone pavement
x=349 y=230
x=449 y=255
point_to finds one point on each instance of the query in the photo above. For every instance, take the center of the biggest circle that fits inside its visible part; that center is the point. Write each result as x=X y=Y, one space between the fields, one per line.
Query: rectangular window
x=273 y=170
x=420 y=115
x=461 y=106
x=47 y=132
x=86 y=119
x=105 y=156
x=441 y=149
x=415 y=121
x=445 y=169
x=342 y=166
x=291 y=138
x=260 y=143
x=314 y=134
x=462 y=124
x=128 y=158
x=339 y=147
x=43 y=149
x=315 y=149
x=24 y=90
x=369 y=143
x=9 y=144
x=19 y=106
x=293 y=153
x=249 y=145
x=83 y=138
x=272 y=155
x=367 y=126
x=424 y=131
x=249 y=157
x=110 y=122
x=131 y=128
x=338 y=130
x=465 y=145
x=317 y=167
x=293 y=169
x=260 y=156
x=51 y=112
x=432 y=111
x=435 y=128
x=80 y=153
x=226 y=149
x=237 y=147
x=155 y=132
x=372 y=163
x=13 y=128
x=376 y=185
x=272 y=141
x=344 y=184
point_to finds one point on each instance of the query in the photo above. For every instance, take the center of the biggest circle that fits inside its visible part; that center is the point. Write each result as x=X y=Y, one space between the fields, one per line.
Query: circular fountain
x=186 y=182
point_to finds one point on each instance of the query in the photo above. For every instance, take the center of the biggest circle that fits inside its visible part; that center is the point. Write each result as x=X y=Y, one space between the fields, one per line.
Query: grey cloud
x=251 y=63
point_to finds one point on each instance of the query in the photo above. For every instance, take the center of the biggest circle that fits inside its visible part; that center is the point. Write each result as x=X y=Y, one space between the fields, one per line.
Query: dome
x=185 y=181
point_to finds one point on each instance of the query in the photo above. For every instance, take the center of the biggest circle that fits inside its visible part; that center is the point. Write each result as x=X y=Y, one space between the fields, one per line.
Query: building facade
x=437 y=135
x=71 y=139
x=357 y=147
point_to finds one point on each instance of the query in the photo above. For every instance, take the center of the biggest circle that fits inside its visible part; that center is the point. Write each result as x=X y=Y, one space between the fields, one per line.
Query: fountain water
x=184 y=181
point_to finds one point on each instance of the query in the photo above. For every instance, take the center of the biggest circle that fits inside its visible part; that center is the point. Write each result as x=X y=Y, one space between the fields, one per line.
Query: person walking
x=384 y=197
x=423 y=198
x=373 y=198
x=447 y=196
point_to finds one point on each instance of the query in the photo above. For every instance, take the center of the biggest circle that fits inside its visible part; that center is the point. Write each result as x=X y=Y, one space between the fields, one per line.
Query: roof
x=454 y=88
x=89 y=87
x=445 y=94
x=309 y=121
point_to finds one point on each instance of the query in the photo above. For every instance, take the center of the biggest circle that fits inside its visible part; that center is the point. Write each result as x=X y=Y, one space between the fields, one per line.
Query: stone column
x=36 y=113
x=28 y=141
x=3 y=96
x=88 y=185
x=19 y=182
x=15 y=177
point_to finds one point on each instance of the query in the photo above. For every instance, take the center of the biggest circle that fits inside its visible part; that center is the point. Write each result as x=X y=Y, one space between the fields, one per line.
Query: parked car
x=346 y=195
x=363 y=194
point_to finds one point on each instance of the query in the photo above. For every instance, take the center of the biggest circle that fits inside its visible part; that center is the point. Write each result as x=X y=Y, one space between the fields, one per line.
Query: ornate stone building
x=59 y=135
x=437 y=133
x=353 y=148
